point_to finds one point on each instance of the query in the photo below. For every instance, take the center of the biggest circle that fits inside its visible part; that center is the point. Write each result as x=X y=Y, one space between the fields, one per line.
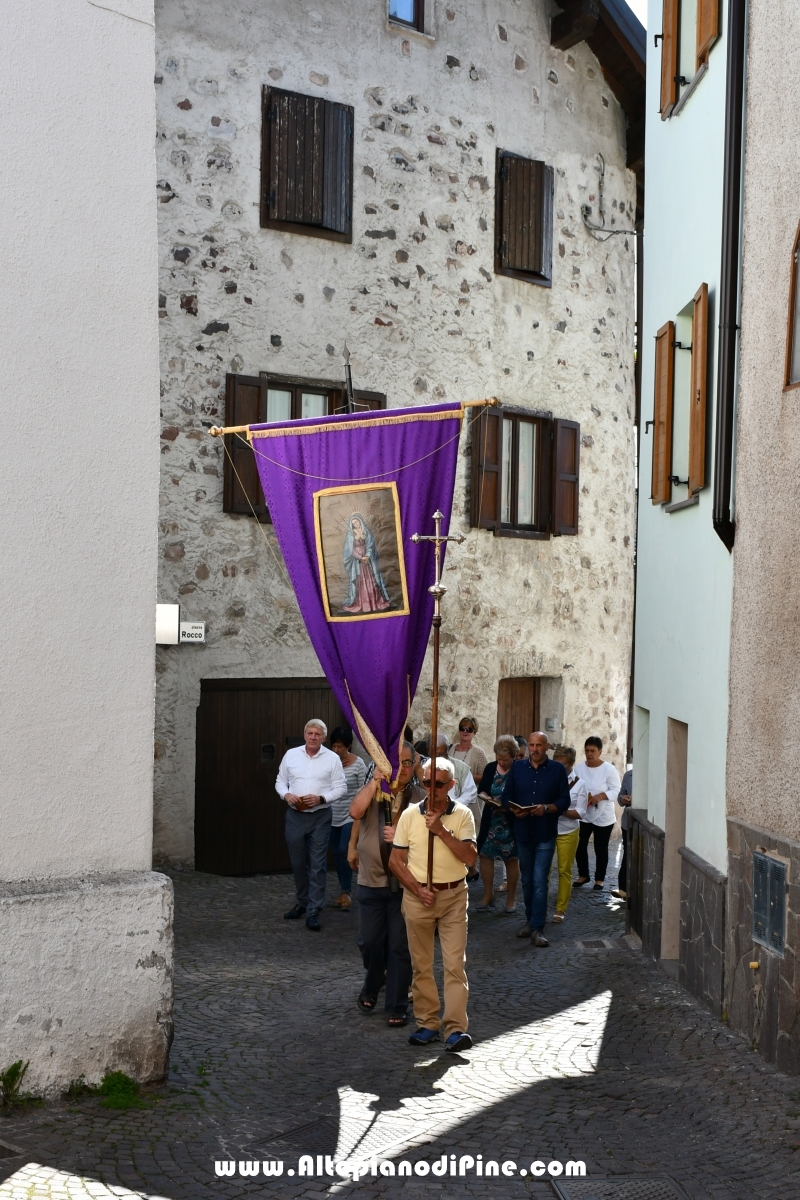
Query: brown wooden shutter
x=662 y=414
x=697 y=414
x=245 y=404
x=293 y=154
x=337 y=184
x=566 y=471
x=525 y=216
x=669 y=57
x=486 y=489
x=707 y=28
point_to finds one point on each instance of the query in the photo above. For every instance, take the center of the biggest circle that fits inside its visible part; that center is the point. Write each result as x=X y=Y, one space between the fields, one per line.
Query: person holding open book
x=536 y=794
x=496 y=838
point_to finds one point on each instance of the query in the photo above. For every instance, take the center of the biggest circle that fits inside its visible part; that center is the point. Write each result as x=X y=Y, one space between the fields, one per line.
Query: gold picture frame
x=359 y=537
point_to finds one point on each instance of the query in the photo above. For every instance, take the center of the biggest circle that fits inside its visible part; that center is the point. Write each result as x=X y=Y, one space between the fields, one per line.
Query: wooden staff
x=437 y=590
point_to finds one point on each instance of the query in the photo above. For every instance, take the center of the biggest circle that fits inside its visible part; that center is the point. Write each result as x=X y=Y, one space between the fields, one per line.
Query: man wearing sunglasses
x=439 y=902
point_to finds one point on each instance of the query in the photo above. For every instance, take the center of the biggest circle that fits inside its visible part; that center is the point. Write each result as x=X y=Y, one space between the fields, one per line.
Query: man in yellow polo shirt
x=443 y=904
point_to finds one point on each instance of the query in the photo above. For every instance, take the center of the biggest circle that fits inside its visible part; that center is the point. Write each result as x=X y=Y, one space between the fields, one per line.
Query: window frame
x=788 y=386
x=365 y=401
x=299 y=227
x=541 y=478
x=418 y=24
x=545 y=277
x=675 y=88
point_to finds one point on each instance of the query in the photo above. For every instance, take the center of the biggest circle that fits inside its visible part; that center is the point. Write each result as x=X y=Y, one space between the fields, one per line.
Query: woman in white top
x=602 y=785
x=355 y=772
x=568 y=829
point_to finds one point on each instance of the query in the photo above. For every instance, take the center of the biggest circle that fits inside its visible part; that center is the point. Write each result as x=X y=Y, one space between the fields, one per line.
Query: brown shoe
x=344 y=902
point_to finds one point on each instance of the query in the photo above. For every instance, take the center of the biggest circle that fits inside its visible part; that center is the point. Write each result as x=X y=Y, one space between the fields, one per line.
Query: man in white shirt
x=602 y=785
x=310 y=779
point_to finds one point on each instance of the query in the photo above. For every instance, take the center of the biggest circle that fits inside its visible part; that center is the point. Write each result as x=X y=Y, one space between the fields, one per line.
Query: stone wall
x=702 y=943
x=645 y=878
x=425 y=318
x=763 y=1004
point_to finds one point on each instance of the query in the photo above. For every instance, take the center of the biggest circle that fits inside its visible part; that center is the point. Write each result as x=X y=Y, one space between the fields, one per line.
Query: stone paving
x=583 y=1052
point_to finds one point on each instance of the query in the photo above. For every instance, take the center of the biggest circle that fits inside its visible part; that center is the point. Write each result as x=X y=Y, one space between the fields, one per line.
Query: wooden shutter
x=697 y=413
x=307 y=164
x=337 y=183
x=245 y=404
x=662 y=413
x=487 y=469
x=566 y=470
x=669 y=57
x=707 y=28
x=525 y=216
x=293 y=132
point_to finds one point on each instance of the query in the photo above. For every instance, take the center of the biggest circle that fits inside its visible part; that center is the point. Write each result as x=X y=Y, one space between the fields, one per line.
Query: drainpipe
x=723 y=521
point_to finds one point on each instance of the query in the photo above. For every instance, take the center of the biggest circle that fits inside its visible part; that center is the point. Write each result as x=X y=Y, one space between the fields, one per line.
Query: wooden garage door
x=517 y=706
x=244 y=727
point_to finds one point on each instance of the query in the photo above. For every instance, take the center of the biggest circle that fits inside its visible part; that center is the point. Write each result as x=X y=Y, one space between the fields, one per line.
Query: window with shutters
x=793 y=334
x=525 y=473
x=524 y=218
x=306 y=165
x=680 y=406
x=689 y=30
x=255 y=400
x=769 y=901
x=408 y=12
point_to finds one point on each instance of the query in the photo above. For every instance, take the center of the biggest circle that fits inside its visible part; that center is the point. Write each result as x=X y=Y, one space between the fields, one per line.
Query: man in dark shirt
x=536 y=793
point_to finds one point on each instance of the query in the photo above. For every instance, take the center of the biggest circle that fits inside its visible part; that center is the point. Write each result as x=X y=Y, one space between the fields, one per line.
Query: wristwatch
x=322 y=800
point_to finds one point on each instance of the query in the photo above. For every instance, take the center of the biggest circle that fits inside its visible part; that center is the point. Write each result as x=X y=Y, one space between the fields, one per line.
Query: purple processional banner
x=345 y=494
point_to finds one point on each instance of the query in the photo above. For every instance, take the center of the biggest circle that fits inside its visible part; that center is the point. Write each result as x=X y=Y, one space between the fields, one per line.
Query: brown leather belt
x=443 y=887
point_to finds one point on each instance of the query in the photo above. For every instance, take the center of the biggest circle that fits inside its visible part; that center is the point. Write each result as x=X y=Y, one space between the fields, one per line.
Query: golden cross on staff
x=437 y=590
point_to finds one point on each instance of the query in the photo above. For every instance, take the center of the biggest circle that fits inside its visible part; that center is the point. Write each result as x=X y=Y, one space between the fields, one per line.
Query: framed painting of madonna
x=360 y=552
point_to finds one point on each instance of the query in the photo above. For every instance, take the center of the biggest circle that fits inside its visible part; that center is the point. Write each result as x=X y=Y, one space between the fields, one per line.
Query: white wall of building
x=80 y=404
x=79 y=532
x=684 y=572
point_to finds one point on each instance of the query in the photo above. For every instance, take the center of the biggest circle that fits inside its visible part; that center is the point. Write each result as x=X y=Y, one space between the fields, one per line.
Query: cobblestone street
x=583 y=1051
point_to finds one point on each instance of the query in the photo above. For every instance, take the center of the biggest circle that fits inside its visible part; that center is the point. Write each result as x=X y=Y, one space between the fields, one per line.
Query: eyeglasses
x=438 y=784
x=406 y=762
x=465 y=729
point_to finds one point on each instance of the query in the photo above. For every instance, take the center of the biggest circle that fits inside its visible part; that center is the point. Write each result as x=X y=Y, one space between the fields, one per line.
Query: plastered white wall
x=86 y=978
x=416 y=299
x=79 y=402
x=684 y=573
x=79 y=359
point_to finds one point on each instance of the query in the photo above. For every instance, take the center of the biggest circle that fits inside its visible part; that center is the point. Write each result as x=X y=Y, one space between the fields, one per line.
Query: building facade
x=395 y=231
x=684 y=568
x=85 y=924
x=762 y=980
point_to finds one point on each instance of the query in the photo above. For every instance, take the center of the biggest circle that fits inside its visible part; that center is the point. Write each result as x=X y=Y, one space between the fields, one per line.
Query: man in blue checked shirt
x=535 y=795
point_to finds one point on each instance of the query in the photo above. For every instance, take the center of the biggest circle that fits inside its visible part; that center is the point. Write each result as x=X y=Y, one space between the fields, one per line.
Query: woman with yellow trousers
x=568 y=829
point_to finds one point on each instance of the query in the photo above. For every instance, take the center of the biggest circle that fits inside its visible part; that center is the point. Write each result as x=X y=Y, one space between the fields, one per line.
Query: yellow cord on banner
x=281 y=566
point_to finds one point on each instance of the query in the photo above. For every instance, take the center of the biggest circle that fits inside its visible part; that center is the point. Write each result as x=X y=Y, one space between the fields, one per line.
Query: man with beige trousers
x=437 y=900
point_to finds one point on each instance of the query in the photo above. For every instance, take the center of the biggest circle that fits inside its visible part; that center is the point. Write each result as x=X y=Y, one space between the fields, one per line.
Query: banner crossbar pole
x=222 y=430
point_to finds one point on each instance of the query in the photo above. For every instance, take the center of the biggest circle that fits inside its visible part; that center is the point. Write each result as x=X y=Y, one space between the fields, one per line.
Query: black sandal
x=397 y=1020
x=367 y=1001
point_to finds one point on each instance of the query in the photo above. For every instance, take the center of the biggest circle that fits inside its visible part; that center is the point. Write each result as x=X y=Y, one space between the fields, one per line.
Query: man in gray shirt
x=381 y=927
